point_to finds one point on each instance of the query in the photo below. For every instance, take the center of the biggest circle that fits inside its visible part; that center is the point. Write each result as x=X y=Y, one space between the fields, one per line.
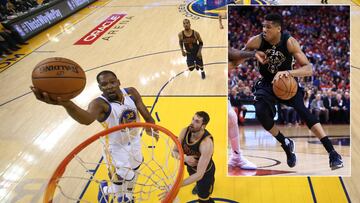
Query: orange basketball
x=59 y=77
x=285 y=88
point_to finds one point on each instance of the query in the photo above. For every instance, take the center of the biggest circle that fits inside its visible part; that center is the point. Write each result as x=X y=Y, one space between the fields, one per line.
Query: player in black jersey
x=193 y=45
x=198 y=146
x=280 y=49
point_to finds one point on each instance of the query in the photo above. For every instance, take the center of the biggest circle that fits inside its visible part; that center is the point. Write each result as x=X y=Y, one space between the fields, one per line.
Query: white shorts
x=126 y=158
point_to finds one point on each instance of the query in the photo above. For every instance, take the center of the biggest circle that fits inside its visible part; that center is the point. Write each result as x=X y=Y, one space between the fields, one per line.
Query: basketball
x=59 y=77
x=285 y=88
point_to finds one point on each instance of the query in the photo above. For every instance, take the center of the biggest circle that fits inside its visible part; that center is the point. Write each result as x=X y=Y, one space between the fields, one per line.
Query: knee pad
x=264 y=114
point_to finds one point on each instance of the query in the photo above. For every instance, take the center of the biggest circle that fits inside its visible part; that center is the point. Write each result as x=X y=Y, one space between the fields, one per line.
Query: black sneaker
x=289 y=149
x=194 y=190
x=335 y=160
x=203 y=75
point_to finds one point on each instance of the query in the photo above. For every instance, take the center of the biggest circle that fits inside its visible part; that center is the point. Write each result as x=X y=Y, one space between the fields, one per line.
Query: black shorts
x=205 y=186
x=263 y=90
x=192 y=59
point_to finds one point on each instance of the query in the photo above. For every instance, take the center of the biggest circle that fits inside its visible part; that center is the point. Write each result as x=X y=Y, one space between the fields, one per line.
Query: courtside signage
x=99 y=30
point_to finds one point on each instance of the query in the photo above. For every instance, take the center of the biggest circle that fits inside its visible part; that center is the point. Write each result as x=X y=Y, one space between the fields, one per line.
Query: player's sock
x=281 y=138
x=327 y=144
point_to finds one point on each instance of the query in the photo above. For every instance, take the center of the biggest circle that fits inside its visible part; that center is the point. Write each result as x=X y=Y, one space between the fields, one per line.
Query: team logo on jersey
x=276 y=58
x=210 y=8
x=127 y=116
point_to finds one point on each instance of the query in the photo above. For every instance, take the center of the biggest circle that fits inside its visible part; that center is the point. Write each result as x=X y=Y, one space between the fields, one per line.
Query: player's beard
x=193 y=130
x=113 y=96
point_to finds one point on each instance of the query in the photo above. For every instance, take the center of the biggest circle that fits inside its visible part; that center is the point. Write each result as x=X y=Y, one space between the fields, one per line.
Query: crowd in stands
x=9 y=42
x=324 y=38
x=10 y=9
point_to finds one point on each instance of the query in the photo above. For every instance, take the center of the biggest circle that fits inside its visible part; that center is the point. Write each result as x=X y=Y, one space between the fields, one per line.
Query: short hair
x=275 y=18
x=186 y=20
x=205 y=116
x=104 y=72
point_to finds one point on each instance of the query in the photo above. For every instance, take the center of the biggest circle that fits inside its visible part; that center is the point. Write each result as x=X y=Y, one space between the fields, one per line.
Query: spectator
x=317 y=107
x=339 y=109
x=347 y=107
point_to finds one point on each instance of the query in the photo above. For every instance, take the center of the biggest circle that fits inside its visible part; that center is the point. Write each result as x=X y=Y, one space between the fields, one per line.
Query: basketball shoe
x=242 y=162
x=203 y=74
x=335 y=160
x=289 y=148
x=102 y=197
x=125 y=198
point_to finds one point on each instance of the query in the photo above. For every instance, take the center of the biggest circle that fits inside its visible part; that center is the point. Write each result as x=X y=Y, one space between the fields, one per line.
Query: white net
x=120 y=167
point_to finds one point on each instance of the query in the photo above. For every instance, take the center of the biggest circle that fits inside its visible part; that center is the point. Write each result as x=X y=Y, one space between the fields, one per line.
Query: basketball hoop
x=158 y=170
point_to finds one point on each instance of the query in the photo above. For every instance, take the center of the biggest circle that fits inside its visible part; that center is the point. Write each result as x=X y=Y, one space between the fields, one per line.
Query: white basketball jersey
x=120 y=114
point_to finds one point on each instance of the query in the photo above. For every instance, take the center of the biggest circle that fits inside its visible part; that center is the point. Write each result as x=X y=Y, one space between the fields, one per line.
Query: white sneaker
x=242 y=162
x=246 y=164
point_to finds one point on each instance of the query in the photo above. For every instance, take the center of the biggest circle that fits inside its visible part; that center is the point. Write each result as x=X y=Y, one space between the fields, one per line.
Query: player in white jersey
x=115 y=106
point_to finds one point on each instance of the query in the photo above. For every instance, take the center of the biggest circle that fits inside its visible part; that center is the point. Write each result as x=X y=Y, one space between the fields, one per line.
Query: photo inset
x=289 y=90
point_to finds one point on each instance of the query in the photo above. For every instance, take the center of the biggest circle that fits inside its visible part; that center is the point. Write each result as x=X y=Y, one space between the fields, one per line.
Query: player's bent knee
x=311 y=121
x=264 y=114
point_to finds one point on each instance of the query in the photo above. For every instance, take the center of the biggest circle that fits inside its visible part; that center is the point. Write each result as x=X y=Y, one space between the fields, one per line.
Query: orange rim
x=51 y=186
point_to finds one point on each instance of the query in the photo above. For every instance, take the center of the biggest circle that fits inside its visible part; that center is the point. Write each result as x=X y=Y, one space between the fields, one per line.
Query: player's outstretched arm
x=95 y=109
x=239 y=55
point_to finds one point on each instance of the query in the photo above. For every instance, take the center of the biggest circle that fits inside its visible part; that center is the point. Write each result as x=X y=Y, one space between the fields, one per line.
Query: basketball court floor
x=142 y=49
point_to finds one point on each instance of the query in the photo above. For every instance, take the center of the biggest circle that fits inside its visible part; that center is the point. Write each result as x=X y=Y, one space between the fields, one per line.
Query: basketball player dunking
x=193 y=45
x=115 y=106
x=198 y=146
x=280 y=49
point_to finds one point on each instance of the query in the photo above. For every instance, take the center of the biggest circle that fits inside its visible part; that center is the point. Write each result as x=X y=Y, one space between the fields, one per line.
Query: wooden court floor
x=144 y=53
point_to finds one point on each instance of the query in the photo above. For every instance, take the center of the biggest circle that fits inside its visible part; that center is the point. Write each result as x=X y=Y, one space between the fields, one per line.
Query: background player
x=193 y=45
x=115 y=106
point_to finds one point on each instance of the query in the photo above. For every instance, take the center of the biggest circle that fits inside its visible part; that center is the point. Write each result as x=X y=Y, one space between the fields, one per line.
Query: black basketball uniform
x=280 y=59
x=206 y=184
x=192 y=48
